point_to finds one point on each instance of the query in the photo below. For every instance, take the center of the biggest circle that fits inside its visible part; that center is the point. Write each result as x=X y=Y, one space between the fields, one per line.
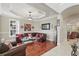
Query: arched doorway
x=71 y=18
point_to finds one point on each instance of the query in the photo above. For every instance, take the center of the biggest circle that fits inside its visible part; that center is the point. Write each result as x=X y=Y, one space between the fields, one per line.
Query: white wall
x=37 y=27
x=50 y=33
x=4 y=27
x=63 y=31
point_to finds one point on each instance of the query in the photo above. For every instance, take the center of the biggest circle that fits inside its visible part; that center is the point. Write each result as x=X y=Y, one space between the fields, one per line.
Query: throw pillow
x=8 y=43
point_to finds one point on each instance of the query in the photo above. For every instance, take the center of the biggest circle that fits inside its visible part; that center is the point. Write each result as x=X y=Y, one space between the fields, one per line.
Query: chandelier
x=30 y=16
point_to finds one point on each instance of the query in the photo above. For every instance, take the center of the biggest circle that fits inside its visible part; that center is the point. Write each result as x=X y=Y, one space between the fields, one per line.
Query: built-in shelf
x=13 y=27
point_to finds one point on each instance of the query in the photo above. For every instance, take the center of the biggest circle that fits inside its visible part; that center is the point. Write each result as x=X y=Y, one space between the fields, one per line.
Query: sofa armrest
x=18 y=51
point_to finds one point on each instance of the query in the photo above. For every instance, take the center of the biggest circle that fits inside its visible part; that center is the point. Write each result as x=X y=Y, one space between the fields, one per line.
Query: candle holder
x=74 y=50
x=73 y=44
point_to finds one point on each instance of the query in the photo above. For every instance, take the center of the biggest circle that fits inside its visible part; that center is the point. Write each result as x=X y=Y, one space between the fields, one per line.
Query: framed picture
x=27 y=27
x=46 y=26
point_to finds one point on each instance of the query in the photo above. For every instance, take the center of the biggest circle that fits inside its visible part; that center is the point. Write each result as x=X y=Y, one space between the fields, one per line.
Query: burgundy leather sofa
x=41 y=37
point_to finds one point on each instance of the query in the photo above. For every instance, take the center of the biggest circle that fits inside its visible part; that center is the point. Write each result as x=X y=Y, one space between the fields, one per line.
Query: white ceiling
x=39 y=10
x=72 y=11
x=60 y=7
x=71 y=15
x=21 y=10
x=69 y=11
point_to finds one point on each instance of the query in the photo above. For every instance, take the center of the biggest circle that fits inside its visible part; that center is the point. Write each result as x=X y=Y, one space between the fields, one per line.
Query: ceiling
x=69 y=11
x=72 y=11
x=39 y=10
x=71 y=15
x=60 y=7
x=65 y=9
x=21 y=10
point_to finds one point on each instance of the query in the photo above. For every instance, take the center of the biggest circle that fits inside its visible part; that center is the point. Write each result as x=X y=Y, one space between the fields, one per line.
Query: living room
x=39 y=29
x=19 y=24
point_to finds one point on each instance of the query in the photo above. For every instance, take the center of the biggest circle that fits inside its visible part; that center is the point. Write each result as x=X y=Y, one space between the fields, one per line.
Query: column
x=61 y=30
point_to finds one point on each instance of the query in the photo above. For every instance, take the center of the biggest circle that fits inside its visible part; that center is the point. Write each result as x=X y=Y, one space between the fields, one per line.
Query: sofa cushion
x=40 y=36
x=14 y=43
x=19 y=37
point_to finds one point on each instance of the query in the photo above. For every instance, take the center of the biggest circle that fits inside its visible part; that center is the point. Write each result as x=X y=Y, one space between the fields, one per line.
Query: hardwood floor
x=38 y=48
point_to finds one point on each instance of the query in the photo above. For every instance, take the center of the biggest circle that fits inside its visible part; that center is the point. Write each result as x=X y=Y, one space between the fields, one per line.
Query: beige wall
x=52 y=32
x=0 y=29
x=4 y=27
x=37 y=27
